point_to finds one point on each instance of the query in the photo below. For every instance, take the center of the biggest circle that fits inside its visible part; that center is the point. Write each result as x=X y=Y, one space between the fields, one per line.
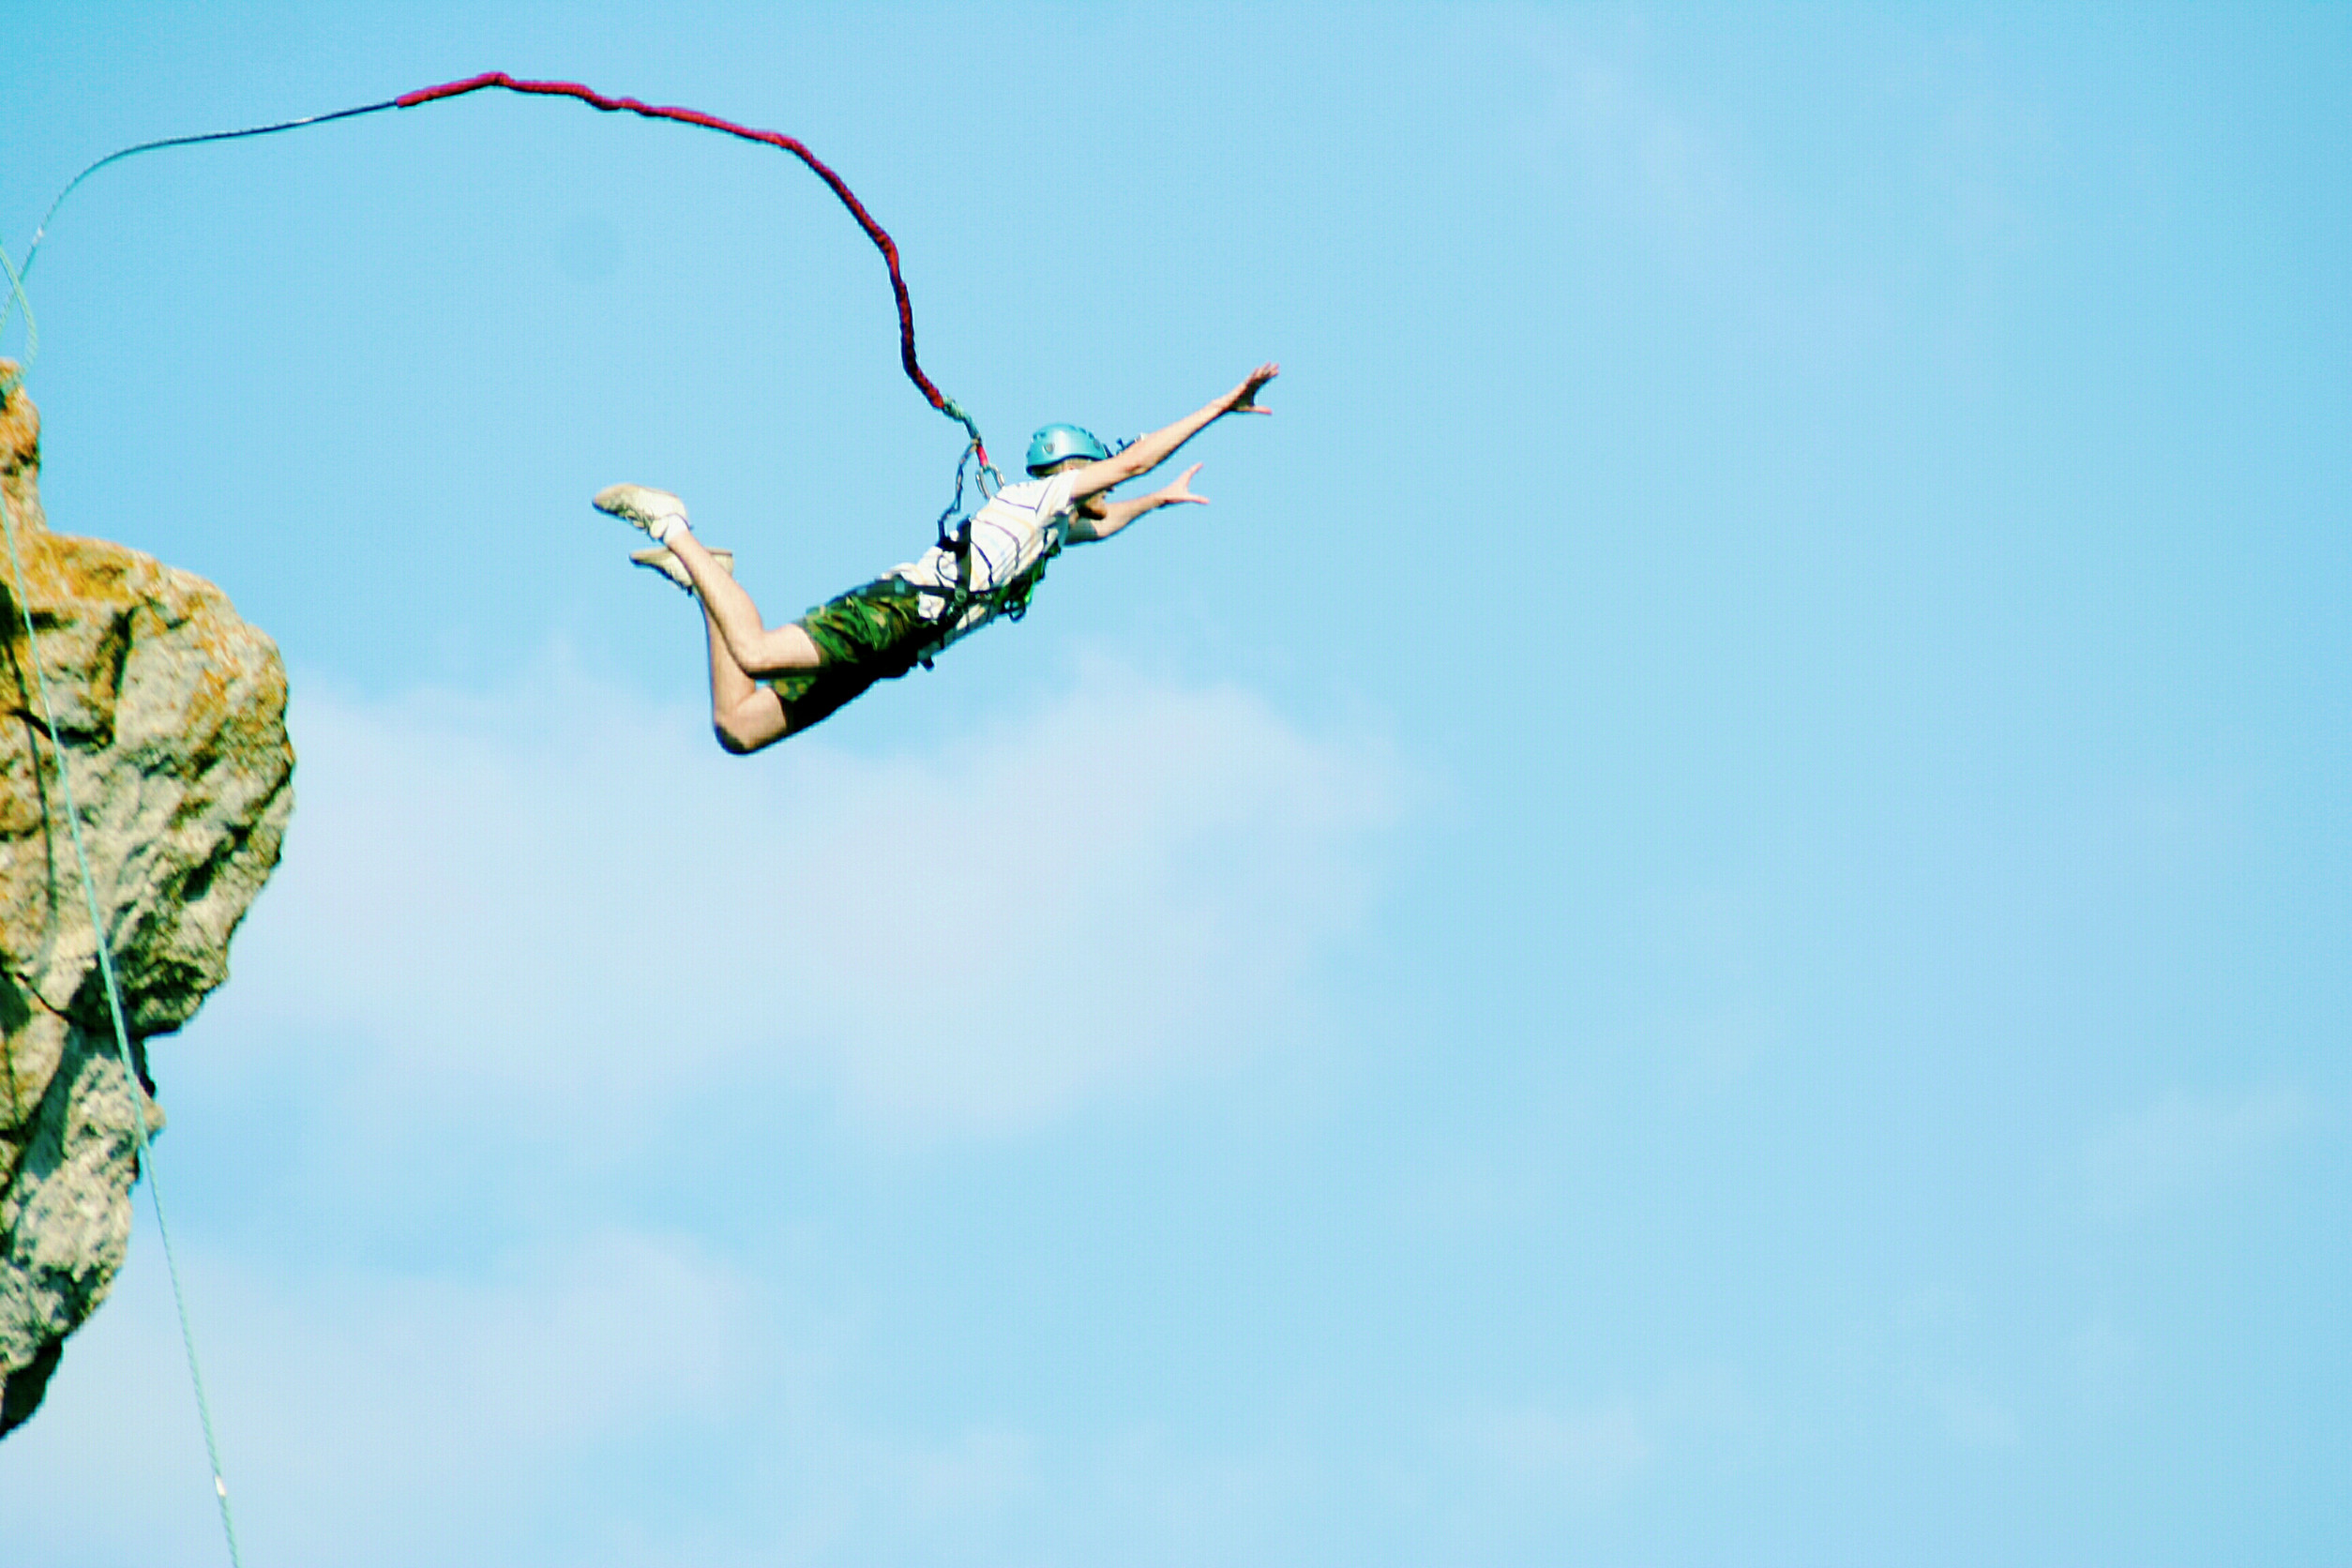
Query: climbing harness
x=131 y=1079
x=955 y=532
x=1007 y=600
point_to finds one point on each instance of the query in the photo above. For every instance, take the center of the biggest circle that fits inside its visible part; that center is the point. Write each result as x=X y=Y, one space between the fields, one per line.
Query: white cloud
x=977 y=1473
x=558 y=895
x=367 y=1416
x=617 y=1399
x=2184 y=1144
x=1653 y=162
x=1970 y=1416
x=2104 y=1354
x=519 y=932
x=1516 y=1477
x=1586 y=1455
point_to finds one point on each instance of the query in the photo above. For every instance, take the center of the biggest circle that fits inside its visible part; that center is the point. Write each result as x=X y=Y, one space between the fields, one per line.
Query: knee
x=743 y=727
x=736 y=737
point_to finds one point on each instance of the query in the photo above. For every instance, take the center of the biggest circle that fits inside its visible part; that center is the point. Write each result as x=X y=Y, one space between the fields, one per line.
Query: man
x=767 y=684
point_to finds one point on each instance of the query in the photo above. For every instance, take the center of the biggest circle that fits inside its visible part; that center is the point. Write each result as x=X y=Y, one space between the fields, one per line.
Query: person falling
x=770 y=683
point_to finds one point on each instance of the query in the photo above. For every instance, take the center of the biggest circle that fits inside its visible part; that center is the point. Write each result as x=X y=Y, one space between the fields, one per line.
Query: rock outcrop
x=171 y=724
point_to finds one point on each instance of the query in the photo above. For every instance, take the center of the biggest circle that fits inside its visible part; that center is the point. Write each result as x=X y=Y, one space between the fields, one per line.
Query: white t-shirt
x=1019 y=527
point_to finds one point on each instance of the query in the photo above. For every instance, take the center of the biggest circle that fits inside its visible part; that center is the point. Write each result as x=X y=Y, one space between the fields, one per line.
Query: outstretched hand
x=1181 y=490
x=1244 y=398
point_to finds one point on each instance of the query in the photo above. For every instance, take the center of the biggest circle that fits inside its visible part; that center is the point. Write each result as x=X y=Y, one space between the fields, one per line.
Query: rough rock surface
x=170 y=717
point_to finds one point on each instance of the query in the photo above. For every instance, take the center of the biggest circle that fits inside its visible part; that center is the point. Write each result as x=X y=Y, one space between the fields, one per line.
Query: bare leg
x=734 y=620
x=744 y=715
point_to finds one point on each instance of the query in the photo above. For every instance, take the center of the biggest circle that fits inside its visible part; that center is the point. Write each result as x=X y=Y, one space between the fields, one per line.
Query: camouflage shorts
x=869 y=634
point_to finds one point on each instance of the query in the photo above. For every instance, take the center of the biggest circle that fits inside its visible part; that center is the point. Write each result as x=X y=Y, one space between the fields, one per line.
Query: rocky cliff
x=171 y=725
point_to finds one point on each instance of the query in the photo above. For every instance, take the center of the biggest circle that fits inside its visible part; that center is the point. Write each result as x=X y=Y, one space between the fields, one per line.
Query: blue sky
x=1702 y=921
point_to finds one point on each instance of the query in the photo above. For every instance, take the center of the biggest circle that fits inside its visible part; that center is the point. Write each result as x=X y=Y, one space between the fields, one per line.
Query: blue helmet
x=1055 y=442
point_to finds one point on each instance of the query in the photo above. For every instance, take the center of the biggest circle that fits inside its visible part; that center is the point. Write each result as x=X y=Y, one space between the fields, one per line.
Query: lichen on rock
x=170 y=716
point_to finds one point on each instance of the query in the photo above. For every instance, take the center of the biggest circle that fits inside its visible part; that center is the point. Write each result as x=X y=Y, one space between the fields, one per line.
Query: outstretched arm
x=1087 y=527
x=1161 y=445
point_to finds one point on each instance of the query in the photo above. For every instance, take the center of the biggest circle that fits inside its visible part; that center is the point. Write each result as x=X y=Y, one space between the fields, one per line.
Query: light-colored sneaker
x=661 y=560
x=656 y=511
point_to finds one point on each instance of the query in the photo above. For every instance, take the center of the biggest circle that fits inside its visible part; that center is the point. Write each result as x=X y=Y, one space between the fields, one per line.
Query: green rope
x=114 y=1008
x=14 y=297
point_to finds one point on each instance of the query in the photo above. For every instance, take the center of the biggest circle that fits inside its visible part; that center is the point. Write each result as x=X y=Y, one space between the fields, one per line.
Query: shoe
x=660 y=559
x=656 y=511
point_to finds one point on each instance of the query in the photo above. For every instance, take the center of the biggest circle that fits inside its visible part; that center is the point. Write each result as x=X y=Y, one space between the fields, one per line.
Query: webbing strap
x=114 y=1013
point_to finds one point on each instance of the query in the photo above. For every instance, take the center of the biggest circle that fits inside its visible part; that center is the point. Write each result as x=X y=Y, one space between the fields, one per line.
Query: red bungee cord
x=875 y=232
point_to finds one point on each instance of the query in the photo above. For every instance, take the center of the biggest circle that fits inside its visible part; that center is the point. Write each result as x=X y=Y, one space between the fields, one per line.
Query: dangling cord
x=114 y=1010
x=32 y=249
x=14 y=379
